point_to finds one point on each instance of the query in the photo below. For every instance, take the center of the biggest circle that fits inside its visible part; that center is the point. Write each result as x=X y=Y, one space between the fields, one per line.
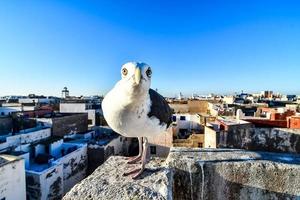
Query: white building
x=21 y=141
x=55 y=167
x=65 y=93
x=12 y=178
x=185 y=124
x=80 y=107
x=45 y=184
x=9 y=108
x=36 y=100
x=229 y=99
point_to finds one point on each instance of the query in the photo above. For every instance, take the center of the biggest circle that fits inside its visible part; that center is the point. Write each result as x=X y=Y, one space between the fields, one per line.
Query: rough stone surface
x=233 y=174
x=193 y=173
x=261 y=139
x=107 y=182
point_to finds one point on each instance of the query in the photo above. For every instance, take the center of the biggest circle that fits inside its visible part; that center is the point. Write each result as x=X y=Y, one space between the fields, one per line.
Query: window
x=183 y=131
x=120 y=139
x=182 y=118
x=200 y=145
x=174 y=118
x=152 y=149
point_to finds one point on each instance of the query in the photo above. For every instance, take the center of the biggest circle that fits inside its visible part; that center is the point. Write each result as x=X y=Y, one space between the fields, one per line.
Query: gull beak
x=137 y=75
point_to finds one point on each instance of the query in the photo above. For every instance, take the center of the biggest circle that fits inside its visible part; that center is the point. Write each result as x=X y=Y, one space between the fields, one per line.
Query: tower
x=65 y=93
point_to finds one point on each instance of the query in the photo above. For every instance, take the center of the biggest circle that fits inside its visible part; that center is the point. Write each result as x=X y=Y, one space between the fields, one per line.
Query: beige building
x=216 y=133
x=190 y=106
x=210 y=137
x=206 y=118
x=194 y=140
x=161 y=144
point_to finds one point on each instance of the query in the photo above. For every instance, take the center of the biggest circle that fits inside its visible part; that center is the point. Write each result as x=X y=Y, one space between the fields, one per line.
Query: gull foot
x=133 y=160
x=135 y=173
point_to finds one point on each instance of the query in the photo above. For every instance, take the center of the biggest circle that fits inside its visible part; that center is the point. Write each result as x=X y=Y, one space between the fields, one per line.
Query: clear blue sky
x=192 y=46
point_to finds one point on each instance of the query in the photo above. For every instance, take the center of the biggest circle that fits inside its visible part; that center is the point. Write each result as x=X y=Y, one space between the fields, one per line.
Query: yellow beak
x=137 y=75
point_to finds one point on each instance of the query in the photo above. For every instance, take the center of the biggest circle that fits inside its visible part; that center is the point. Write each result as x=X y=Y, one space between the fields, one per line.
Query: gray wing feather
x=160 y=108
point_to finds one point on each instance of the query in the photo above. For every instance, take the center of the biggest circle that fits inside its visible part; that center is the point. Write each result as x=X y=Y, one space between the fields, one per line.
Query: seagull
x=133 y=109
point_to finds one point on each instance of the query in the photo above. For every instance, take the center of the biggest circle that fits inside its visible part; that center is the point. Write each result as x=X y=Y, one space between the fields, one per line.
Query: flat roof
x=5 y=159
x=231 y=121
x=50 y=140
x=58 y=115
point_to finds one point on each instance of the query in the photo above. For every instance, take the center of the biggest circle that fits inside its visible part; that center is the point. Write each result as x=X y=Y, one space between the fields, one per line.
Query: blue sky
x=192 y=46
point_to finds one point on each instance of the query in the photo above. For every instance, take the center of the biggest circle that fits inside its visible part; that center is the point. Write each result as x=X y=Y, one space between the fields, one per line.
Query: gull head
x=136 y=78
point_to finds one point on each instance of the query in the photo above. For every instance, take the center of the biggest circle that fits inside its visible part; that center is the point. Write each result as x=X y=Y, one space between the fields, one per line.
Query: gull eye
x=149 y=72
x=124 y=71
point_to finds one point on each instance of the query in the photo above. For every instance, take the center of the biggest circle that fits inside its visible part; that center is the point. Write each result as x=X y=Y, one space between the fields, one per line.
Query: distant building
x=188 y=130
x=65 y=93
x=55 y=167
x=12 y=178
x=185 y=124
x=219 y=109
x=229 y=99
x=160 y=144
x=206 y=118
x=10 y=108
x=90 y=106
x=102 y=143
x=218 y=133
x=190 y=106
x=36 y=101
x=271 y=117
x=65 y=123
x=194 y=140
x=293 y=122
x=6 y=125
x=267 y=94
x=30 y=103
x=23 y=139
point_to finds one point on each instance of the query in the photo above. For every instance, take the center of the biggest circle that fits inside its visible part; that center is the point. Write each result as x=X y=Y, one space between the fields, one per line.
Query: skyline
x=193 y=47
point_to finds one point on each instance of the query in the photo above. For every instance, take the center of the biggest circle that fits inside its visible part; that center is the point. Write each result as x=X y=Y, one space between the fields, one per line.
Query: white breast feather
x=128 y=117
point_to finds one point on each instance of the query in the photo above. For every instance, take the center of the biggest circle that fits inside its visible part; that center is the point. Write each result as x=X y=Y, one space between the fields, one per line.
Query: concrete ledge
x=193 y=173
x=107 y=182
x=233 y=174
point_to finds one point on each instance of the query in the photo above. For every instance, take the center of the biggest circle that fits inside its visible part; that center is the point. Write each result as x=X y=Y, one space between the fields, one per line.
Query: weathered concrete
x=6 y=125
x=262 y=139
x=233 y=174
x=107 y=182
x=193 y=173
x=69 y=122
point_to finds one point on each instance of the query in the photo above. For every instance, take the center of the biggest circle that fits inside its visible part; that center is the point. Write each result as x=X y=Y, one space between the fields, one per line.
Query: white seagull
x=132 y=109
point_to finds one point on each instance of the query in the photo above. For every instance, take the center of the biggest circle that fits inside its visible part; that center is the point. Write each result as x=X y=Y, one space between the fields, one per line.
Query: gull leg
x=141 y=169
x=138 y=157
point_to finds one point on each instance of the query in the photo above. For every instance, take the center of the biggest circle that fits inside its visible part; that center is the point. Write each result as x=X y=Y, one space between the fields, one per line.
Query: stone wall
x=262 y=139
x=69 y=123
x=193 y=173
x=233 y=174
x=6 y=125
x=95 y=157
